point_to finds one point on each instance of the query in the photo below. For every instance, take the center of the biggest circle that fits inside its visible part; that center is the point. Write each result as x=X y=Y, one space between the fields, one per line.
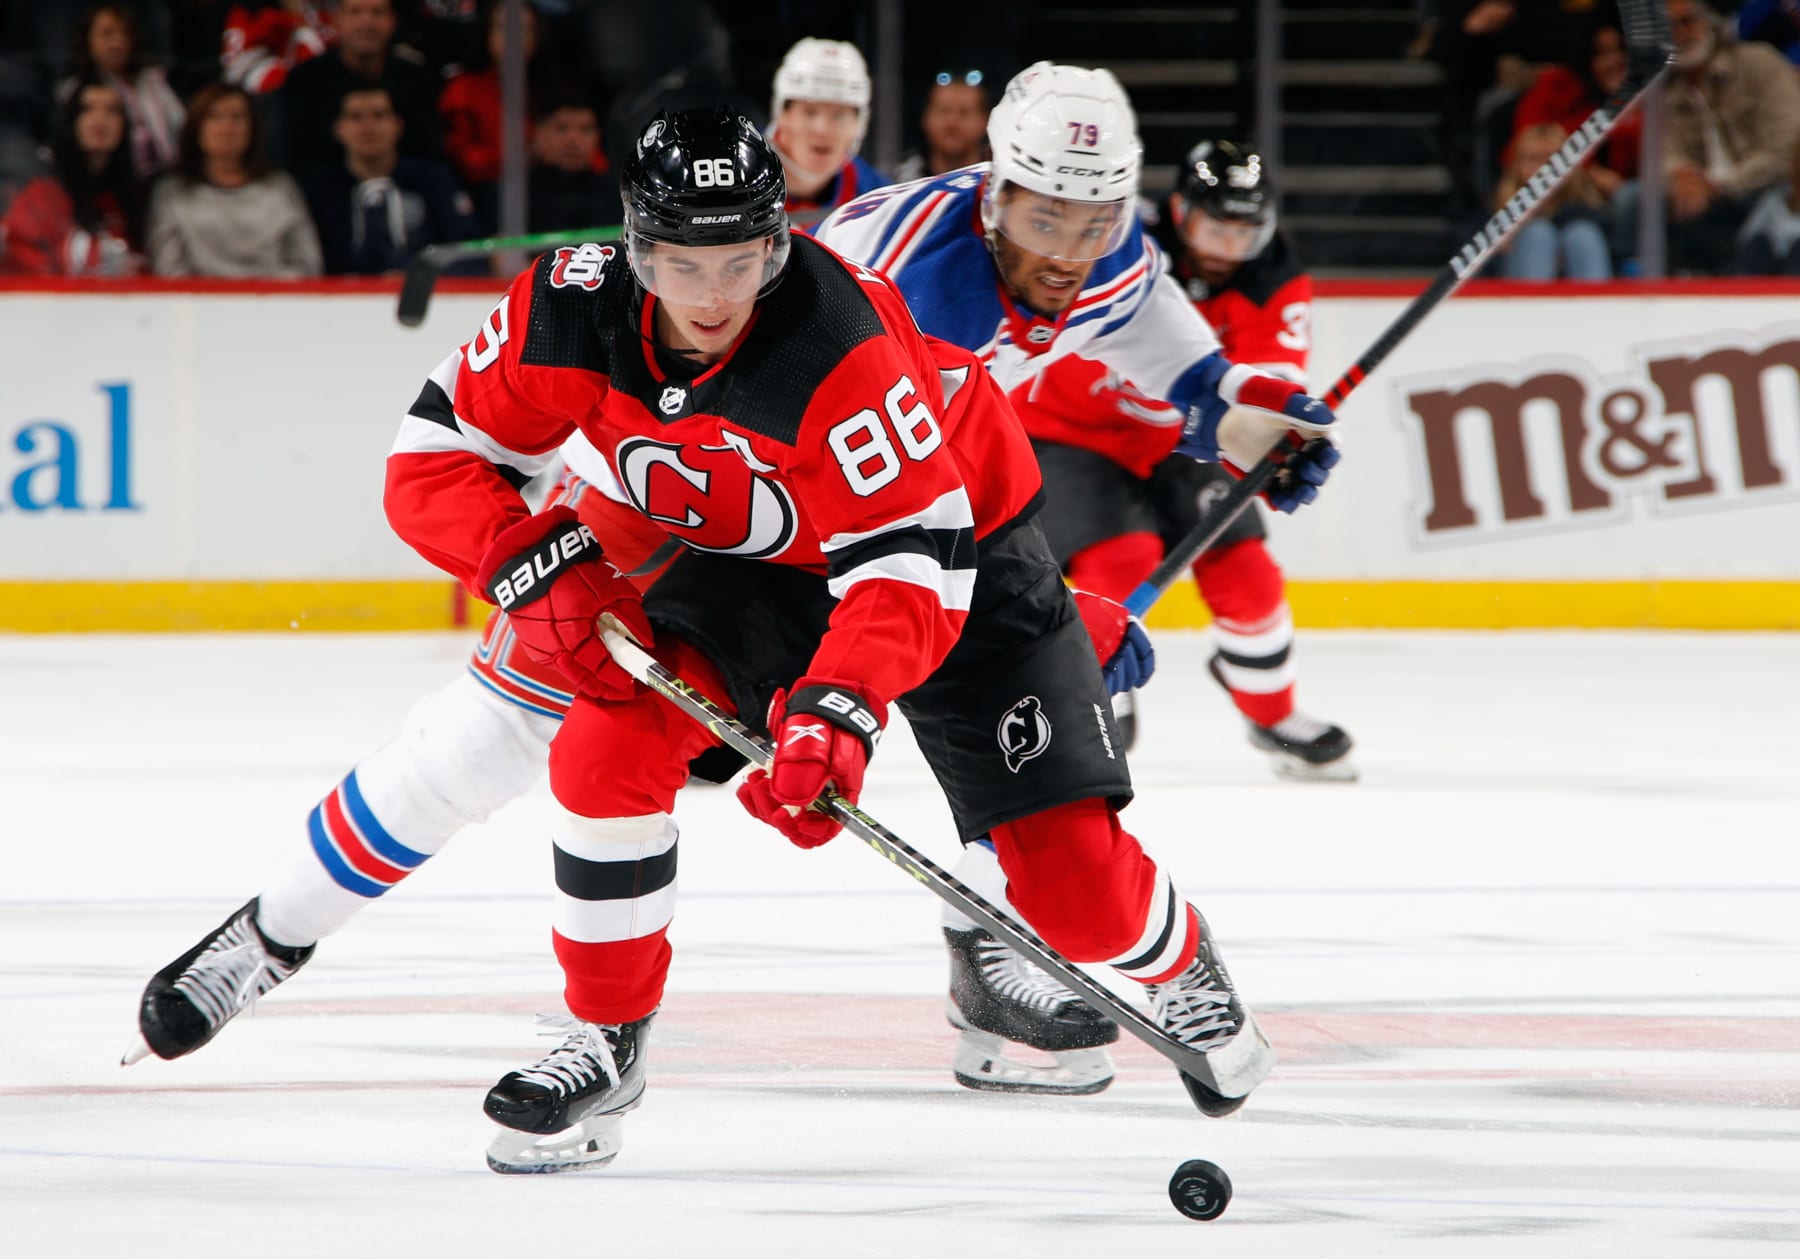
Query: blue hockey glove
x=1126 y=657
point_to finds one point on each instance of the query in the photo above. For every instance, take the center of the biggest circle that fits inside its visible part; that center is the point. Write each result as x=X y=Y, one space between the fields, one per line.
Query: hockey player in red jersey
x=857 y=504
x=1247 y=282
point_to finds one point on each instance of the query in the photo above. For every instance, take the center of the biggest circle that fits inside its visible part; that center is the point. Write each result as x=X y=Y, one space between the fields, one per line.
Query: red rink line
x=778 y=1023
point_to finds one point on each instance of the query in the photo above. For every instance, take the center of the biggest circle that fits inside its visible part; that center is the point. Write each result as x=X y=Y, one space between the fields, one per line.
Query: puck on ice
x=1200 y=1190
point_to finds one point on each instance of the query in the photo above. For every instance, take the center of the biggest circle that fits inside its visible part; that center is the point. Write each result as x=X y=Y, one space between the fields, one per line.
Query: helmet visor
x=1229 y=240
x=1056 y=227
x=706 y=276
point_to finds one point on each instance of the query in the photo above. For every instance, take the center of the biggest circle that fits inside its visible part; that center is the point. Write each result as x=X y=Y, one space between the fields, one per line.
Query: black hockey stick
x=428 y=264
x=1648 y=51
x=1226 y=1073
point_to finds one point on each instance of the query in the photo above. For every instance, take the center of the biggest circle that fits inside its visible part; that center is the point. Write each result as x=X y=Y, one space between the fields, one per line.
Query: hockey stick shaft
x=1649 y=63
x=730 y=731
x=428 y=264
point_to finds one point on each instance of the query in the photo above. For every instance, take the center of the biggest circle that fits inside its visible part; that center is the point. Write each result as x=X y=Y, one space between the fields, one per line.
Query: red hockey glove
x=1126 y=657
x=825 y=731
x=548 y=575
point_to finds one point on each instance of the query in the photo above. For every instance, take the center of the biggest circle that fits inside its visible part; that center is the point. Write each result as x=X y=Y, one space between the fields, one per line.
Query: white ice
x=1535 y=980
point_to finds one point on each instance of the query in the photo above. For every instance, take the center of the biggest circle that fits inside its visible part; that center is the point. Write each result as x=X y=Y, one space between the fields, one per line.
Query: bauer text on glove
x=548 y=575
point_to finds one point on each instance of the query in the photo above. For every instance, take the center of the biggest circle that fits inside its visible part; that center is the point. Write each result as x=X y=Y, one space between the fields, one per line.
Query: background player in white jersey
x=818 y=118
x=1038 y=263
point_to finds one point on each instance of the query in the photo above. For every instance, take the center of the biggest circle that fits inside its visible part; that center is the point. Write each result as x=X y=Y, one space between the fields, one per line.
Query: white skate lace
x=1297 y=727
x=1195 y=1009
x=1016 y=979
x=231 y=973
x=584 y=1056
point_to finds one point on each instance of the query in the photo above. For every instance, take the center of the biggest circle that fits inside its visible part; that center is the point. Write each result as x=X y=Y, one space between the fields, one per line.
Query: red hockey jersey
x=833 y=436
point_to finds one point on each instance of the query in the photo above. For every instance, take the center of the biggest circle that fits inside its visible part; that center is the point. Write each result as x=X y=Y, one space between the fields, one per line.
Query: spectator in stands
x=265 y=39
x=1566 y=94
x=107 y=48
x=1566 y=237
x=1490 y=51
x=820 y=112
x=1733 y=115
x=1770 y=244
x=224 y=212
x=87 y=218
x=377 y=206
x=365 y=53
x=954 y=124
x=567 y=193
x=470 y=108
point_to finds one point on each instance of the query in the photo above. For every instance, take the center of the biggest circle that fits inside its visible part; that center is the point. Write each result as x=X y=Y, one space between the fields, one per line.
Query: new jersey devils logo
x=1024 y=732
x=708 y=497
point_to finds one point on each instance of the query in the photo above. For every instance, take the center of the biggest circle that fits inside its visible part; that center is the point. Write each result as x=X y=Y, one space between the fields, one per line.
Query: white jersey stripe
x=950 y=511
x=954 y=588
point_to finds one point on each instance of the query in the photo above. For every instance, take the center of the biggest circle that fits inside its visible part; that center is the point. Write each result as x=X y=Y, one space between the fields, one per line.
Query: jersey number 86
x=865 y=451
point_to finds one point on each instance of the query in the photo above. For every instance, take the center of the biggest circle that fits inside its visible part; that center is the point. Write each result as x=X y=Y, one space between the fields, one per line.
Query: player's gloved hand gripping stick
x=1647 y=48
x=1231 y=1071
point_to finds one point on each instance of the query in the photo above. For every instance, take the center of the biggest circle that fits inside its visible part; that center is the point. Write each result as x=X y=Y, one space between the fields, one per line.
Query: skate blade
x=139 y=1051
x=984 y=1062
x=1293 y=769
x=590 y=1144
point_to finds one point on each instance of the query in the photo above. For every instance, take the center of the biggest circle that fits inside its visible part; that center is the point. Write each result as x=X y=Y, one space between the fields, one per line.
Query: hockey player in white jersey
x=1038 y=263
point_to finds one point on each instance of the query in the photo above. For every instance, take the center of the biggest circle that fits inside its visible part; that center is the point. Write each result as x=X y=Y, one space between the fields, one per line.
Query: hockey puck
x=1200 y=1190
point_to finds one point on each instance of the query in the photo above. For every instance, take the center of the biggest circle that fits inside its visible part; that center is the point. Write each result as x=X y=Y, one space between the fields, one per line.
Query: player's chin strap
x=1648 y=58
x=1224 y=1072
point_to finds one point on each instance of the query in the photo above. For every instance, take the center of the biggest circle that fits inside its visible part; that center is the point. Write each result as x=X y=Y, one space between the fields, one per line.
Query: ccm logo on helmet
x=1080 y=172
x=532 y=576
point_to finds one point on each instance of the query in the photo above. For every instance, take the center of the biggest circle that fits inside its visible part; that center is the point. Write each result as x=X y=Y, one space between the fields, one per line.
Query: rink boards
x=190 y=456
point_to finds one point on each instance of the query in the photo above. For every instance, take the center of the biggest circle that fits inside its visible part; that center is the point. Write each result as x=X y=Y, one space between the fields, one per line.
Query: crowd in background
x=293 y=138
x=1521 y=75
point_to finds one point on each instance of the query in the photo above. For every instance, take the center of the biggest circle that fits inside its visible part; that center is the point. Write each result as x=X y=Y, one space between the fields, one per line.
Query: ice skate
x=1300 y=748
x=1001 y=1002
x=190 y=1000
x=1199 y=1007
x=566 y=1111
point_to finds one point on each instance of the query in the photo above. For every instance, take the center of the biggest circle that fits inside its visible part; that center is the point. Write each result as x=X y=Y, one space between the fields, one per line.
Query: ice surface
x=1535 y=980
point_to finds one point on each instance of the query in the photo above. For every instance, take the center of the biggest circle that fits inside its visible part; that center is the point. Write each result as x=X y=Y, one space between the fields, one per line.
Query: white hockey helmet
x=828 y=70
x=1068 y=134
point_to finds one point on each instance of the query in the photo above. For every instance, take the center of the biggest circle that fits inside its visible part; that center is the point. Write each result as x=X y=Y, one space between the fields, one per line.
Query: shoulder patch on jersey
x=809 y=324
x=573 y=308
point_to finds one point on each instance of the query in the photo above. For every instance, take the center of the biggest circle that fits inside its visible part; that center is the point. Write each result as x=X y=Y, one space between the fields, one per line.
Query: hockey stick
x=428 y=264
x=1229 y=1072
x=1648 y=51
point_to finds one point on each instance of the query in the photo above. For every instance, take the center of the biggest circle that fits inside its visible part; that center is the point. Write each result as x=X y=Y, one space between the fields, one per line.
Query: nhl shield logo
x=1024 y=732
x=1040 y=334
x=673 y=399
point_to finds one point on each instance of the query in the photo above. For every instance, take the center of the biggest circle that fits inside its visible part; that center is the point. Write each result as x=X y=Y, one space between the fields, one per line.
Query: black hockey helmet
x=699 y=177
x=1228 y=182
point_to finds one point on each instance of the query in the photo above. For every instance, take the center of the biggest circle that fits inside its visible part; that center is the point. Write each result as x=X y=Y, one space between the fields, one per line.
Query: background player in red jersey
x=1244 y=277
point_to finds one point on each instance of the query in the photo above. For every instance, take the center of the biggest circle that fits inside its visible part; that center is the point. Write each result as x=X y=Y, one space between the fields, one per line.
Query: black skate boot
x=574 y=1098
x=1200 y=1008
x=998 y=1000
x=1300 y=747
x=189 y=1001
